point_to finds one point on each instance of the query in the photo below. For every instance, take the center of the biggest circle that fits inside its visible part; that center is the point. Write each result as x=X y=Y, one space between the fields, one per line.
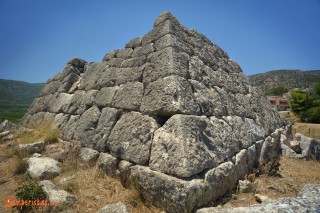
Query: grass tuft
x=21 y=164
x=46 y=132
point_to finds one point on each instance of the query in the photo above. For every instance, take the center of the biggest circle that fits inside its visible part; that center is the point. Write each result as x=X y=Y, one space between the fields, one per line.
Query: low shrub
x=30 y=190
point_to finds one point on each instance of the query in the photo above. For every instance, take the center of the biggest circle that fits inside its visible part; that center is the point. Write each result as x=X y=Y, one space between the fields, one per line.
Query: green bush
x=300 y=102
x=30 y=190
x=312 y=115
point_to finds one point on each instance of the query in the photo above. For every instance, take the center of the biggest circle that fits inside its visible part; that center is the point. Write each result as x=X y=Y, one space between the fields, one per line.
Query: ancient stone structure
x=179 y=116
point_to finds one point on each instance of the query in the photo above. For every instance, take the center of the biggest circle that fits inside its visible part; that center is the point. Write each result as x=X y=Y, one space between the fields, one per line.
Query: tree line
x=306 y=104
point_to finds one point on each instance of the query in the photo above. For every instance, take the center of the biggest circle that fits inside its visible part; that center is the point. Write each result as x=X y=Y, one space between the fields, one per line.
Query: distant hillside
x=15 y=98
x=287 y=78
x=19 y=91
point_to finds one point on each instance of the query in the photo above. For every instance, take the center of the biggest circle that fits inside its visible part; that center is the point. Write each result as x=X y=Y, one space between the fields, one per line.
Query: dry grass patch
x=94 y=190
x=309 y=130
x=46 y=132
x=8 y=181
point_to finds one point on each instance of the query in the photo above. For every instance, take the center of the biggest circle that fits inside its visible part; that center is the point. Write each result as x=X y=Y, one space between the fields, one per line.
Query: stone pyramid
x=173 y=105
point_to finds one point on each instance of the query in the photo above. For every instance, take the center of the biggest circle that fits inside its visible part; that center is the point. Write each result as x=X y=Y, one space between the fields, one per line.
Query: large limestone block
x=36 y=147
x=93 y=73
x=80 y=102
x=143 y=51
x=108 y=118
x=43 y=167
x=187 y=145
x=168 y=26
x=172 y=194
x=124 y=53
x=54 y=194
x=220 y=179
x=70 y=127
x=269 y=156
x=88 y=155
x=134 y=62
x=183 y=195
x=108 y=164
x=61 y=75
x=204 y=74
x=60 y=103
x=166 y=62
x=130 y=139
x=310 y=148
x=246 y=130
x=61 y=119
x=116 y=62
x=128 y=96
x=108 y=77
x=170 y=40
x=241 y=164
x=169 y=96
x=40 y=104
x=208 y=99
x=105 y=96
x=130 y=74
x=110 y=55
x=136 y=42
x=85 y=127
x=50 y=88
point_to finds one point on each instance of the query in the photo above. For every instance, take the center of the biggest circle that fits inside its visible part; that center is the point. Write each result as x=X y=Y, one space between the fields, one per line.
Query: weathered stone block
x=168 y=96
x=86 y=126
x=164 y=63
x=43 y=168
x=130 y=74
x=88 y=155
x=105 y=96
x=143 y=51
x=128 y=96
x=36 y=147
x=134 y=62
x=187 y=145
x=108 y=118
x=130 y=139
x=108 y=164
x=125 y=53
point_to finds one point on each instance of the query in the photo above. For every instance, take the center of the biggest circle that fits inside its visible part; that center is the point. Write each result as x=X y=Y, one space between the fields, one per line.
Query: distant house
x=279 y=103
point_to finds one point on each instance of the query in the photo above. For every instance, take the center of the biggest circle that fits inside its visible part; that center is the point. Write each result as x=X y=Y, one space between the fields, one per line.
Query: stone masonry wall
x=174 y=105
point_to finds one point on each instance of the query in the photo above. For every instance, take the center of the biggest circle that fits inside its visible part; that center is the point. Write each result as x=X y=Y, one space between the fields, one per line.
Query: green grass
x=12 y=110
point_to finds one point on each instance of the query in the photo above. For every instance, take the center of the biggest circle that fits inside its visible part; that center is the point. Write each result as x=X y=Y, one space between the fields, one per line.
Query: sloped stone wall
x=173 y=104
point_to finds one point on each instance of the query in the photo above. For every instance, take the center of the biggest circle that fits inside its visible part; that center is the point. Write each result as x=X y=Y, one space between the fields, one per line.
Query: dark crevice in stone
x=100 y=107
x=188 y=73
x=161 y=120
x=176 y=97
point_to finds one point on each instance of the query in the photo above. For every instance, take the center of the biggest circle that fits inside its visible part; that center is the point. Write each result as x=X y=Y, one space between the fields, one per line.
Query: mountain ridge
x=290 y=78
x=19 y=91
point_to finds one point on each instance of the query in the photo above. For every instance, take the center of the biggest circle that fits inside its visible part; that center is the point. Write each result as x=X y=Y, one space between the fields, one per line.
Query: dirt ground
x=92 y=190
x=293 y=175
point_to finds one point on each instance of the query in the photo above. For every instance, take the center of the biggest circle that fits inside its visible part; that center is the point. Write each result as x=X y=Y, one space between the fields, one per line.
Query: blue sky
x=38 y=37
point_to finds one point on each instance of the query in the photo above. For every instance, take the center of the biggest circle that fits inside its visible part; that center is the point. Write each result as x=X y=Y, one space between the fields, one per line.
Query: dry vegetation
x=293 y=175
x=92 y=189
x=43 y=132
